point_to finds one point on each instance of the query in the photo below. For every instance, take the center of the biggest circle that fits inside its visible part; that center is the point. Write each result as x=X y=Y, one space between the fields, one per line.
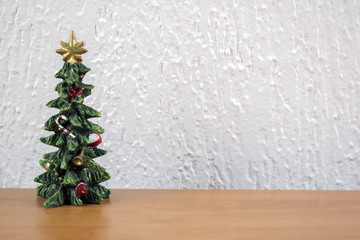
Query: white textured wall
x=228 y=94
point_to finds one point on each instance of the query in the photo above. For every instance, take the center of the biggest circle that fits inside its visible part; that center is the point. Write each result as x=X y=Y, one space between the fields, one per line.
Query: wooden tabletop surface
x=186 y=214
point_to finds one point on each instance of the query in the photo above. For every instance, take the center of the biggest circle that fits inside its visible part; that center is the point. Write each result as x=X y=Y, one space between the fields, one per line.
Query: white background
x=194 y=94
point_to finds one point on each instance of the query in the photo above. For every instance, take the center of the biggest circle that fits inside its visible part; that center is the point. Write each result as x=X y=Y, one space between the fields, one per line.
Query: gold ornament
x=72 y=50
x=47 y=166
x=78 y=159
x=60 y=178
x=56 y=174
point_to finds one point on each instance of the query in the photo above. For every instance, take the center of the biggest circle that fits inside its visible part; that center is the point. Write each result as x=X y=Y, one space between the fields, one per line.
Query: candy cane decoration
x=61 y=127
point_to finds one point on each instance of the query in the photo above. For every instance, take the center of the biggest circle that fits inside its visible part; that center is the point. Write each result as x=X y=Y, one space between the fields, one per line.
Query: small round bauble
x=95 y=139
x=81 y=189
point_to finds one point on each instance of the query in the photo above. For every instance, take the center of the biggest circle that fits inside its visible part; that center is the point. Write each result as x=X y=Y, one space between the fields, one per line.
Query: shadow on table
x=83 y=222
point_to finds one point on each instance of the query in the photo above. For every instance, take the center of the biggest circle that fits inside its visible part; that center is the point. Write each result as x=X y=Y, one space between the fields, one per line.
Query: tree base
x=59 y=194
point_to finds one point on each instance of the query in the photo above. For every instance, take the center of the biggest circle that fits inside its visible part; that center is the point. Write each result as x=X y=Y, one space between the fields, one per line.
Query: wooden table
x=186 y=214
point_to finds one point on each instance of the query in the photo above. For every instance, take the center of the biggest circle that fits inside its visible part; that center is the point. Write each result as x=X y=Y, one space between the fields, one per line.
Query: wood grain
x=186 y=214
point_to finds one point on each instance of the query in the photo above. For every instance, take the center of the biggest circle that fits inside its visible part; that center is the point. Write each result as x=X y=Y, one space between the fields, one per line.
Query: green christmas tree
x=72 y=176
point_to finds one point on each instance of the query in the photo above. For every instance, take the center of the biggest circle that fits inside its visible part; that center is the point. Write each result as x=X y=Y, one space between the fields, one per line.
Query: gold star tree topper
x=72 y=50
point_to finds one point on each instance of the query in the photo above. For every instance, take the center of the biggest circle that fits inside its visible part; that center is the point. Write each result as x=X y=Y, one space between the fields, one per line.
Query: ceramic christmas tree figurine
x=72 y=176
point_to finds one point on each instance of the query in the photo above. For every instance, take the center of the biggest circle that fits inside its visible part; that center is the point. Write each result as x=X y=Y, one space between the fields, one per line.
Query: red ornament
x=95 y=139
x=81 y=189
x=74 y=92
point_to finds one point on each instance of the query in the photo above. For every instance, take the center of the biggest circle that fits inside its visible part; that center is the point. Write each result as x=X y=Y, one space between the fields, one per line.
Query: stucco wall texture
x=194 y=94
